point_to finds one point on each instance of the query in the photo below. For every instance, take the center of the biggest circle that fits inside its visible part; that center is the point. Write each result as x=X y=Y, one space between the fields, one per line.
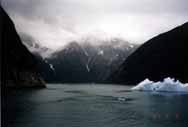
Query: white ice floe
x=167 y=85
x=121 y=99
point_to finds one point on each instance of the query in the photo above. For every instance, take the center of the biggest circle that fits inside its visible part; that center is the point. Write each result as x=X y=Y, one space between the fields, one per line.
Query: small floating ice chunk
x=121 y=99
x=167 y=85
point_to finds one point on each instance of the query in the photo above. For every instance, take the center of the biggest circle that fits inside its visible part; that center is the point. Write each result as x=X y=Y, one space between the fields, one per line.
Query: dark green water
x=93 y=106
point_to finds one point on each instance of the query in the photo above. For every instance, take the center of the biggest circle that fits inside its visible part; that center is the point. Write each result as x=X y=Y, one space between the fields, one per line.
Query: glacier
x=167 y=85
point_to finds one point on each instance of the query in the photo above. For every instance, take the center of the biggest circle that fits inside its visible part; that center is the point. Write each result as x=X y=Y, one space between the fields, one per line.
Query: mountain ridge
x=84 y=62
x=160 y=57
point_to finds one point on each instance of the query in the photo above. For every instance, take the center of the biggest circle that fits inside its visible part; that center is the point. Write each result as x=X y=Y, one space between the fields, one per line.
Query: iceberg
x=167 y=85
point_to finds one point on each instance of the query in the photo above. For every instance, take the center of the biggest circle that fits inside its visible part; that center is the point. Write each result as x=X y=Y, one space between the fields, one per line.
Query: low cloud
x=55 y=23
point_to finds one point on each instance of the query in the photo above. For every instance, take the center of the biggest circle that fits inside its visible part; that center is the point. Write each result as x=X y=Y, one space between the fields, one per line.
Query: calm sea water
x=92 y=105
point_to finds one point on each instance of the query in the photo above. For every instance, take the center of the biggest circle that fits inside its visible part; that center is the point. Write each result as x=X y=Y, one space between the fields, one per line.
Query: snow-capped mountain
x=85 y=62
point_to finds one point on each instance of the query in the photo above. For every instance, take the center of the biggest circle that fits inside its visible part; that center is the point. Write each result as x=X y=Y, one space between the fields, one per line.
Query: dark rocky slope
x=83 y=63
x=163 y=56
x=18 y=65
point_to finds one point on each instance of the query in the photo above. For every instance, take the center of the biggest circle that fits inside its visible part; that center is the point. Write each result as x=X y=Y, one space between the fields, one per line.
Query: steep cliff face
x=163 y=56
x=18 y=65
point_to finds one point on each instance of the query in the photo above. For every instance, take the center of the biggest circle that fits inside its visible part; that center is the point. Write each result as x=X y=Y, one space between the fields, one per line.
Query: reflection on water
x=94 y=106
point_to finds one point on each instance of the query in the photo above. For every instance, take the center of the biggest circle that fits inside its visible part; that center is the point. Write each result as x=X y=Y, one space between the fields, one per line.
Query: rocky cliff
x=18 y=65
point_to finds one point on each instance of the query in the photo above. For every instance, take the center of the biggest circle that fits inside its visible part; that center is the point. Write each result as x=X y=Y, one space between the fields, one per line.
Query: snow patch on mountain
x=101 y=52
x=52 y=67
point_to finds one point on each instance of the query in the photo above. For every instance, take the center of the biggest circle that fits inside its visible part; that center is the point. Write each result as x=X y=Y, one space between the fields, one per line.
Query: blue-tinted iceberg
x=167 y=85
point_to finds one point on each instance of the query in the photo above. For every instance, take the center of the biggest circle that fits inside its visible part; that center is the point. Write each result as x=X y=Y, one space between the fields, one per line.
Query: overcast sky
x=53 y=23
